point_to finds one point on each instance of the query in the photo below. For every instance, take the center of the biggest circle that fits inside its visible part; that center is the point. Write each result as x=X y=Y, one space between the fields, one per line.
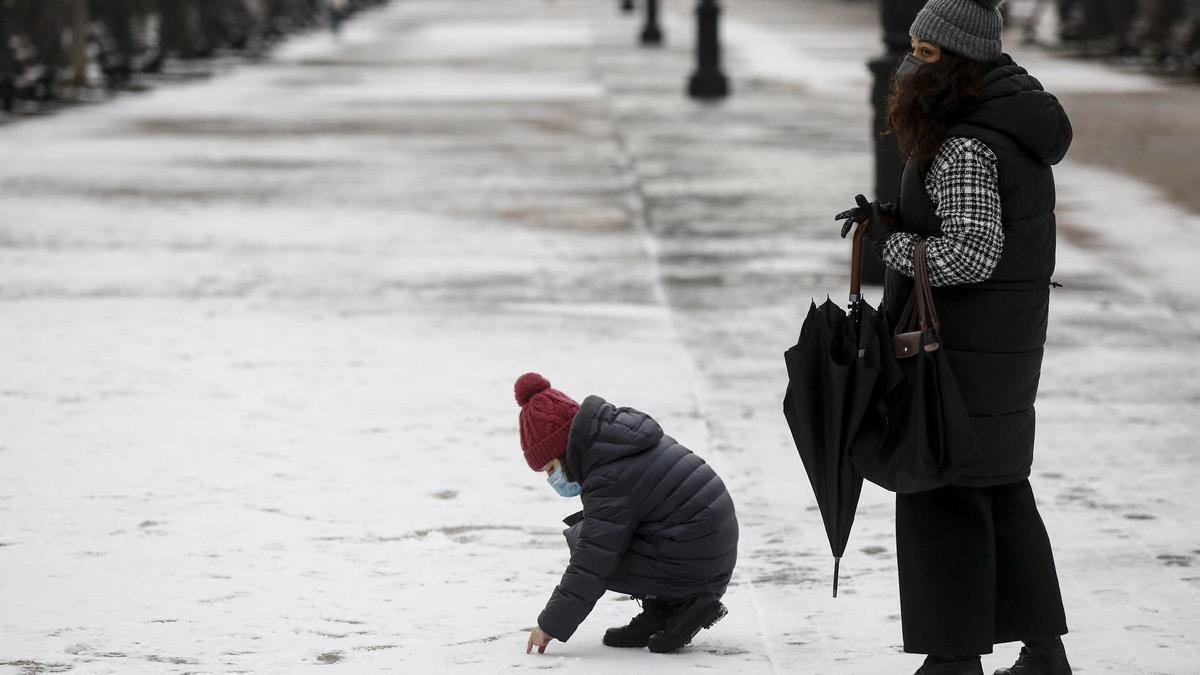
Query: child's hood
x=602 y=433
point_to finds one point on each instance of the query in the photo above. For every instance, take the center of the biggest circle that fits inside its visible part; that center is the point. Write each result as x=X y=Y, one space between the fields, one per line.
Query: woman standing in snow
x=980 y=134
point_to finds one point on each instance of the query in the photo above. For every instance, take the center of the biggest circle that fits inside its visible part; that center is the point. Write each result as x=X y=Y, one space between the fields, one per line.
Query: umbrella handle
x=856 y=253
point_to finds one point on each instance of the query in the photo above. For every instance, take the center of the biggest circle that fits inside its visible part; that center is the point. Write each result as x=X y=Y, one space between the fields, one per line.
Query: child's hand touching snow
x=540 y=638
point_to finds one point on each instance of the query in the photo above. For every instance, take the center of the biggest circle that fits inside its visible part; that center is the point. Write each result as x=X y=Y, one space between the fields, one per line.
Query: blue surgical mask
x=908 y=66
x=566 y=488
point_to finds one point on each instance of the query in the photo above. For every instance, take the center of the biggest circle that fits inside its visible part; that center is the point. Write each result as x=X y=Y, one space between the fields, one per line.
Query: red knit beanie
x=546 y=416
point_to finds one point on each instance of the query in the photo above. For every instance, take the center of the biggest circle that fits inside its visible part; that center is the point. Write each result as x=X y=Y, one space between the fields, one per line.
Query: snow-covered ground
x=260 y=334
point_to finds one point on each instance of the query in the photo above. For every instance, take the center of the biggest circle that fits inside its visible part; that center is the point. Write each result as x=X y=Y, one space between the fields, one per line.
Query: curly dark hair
x=921 y=112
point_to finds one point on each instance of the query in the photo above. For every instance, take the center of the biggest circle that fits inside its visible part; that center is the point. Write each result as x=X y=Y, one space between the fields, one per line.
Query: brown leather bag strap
x=919 y=312
x=912 y=318
x=923 y=289
x=921 y=284
x=904 y=324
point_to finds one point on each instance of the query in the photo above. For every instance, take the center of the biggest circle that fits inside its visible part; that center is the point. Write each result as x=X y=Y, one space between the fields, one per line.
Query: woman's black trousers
x=975 y=570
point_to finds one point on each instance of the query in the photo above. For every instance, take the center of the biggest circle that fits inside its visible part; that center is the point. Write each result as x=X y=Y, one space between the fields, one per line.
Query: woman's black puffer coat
x=657 y=520
x=993 y=332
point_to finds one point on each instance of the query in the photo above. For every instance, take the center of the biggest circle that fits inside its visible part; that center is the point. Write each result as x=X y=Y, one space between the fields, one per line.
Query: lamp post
x=651 y=33
x=897 y=16
x=708 y=82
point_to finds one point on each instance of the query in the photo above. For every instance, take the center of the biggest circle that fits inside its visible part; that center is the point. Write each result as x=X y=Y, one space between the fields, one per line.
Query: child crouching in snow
x=657 y=522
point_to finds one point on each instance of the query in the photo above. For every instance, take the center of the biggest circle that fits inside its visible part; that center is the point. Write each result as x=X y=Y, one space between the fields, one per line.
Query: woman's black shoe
x=936 y=665
x=686 y=619
x=637 y=634
x=1040 y=657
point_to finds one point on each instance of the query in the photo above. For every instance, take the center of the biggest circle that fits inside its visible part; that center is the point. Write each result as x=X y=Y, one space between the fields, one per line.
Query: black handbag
x=925 y=440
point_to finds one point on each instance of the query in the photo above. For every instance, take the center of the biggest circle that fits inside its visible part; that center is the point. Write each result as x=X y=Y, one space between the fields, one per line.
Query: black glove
x=879 y=219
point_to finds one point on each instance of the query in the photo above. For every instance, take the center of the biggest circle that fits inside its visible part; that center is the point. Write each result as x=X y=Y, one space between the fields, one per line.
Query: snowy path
x=260 y=335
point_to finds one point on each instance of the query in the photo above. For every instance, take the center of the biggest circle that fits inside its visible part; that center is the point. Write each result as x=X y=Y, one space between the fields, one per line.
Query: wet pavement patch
x=31 y=667
x=727 y=651
x=329 y=658
x=176 y=660
x=142 y=193
x=257 y=163
x=337 y=636
x=482 y=640
x=789 y=576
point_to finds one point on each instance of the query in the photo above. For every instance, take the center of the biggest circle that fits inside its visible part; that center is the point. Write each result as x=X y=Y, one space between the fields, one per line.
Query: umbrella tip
x=837 y=564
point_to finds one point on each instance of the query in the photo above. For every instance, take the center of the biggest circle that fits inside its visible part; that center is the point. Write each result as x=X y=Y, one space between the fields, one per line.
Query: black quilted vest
x=993 y=332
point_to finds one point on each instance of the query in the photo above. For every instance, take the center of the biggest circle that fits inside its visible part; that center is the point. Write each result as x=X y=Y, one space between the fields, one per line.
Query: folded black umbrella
x=835 y=374
x=866 y=401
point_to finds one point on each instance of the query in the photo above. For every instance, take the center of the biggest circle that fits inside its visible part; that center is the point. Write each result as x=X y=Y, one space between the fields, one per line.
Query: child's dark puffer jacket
x=657 y=520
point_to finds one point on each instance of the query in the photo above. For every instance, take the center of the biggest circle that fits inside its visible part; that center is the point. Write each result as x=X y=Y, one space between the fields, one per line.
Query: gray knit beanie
x=969 y=28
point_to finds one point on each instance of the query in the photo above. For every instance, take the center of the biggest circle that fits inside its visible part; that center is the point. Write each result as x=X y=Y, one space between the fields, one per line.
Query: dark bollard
x=627 y=6
x=708 y=82
x=8 y=64
x=652 y=33
x=897 y=16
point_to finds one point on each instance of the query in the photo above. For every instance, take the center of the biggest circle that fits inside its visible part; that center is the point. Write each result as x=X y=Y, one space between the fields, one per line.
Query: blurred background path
x=260 y=334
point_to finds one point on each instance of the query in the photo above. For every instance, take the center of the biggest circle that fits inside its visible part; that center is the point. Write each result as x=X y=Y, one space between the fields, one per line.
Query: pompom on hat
x=546 y=416
x=969 y=28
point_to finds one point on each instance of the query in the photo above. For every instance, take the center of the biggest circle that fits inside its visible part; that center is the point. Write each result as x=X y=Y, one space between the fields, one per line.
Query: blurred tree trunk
x=118 y=17
x=79 y=37
x=286 y=15
x=174 y=32
x=274 y=11
x=239 y=23
x=213 y=32
x=46 y=33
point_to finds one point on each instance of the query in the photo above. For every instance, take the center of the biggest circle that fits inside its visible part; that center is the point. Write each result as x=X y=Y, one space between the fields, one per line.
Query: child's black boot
x=1046 y=656
x=941 y=665
x=637 y=634
x=686 y=618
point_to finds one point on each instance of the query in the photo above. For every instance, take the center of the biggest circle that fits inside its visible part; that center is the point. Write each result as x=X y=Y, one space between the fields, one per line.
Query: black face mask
x=908 y=66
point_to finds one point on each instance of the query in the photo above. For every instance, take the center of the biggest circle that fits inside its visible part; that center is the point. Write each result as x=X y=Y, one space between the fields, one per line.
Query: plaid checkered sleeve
x=963 y=184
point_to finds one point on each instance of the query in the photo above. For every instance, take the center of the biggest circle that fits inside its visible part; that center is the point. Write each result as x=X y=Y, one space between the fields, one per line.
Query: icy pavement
x=261 y=331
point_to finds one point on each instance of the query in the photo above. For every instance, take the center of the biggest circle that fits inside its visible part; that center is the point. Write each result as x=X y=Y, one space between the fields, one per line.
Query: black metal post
x=708 y=82
x=8 y=65
x=627 y=6
x=897 y=16
x=652 y=33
